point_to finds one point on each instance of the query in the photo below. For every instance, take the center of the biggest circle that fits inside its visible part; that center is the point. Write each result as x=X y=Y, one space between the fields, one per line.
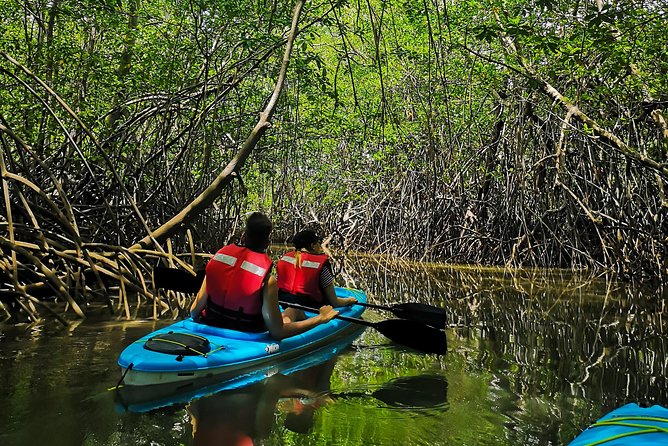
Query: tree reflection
x=549 y=332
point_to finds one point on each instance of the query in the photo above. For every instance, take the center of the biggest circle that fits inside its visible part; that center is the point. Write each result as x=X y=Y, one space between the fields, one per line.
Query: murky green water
x=533 y=359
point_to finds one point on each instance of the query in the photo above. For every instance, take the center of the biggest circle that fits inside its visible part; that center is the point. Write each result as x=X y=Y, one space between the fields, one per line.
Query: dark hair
x=258 y=228
x=305 y=238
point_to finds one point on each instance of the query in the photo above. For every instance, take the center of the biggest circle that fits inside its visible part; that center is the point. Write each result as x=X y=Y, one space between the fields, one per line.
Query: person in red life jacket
x=239 y=292
x=305 y=275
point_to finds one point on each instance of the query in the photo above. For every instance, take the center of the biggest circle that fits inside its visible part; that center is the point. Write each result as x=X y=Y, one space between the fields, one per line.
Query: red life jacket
x=304 y=280
x=234 y=279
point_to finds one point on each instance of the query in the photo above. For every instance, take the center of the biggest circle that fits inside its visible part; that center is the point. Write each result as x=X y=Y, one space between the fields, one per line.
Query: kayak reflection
x=245 y=416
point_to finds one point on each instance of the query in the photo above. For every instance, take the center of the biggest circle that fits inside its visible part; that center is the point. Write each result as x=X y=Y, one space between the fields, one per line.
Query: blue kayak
x=630 y=425
x=188 y=350
x=148 y=398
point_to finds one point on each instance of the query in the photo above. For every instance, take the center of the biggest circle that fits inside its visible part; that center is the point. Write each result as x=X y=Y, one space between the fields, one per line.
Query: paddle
x=409 y=333
x=178 y=280
x=423 y=313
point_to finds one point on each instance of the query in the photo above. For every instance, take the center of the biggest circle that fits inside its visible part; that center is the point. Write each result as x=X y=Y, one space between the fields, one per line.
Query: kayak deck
x=230 y=351
x=629 y=425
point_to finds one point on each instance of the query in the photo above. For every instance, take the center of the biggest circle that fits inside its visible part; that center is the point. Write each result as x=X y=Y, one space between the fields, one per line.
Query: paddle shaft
x=419 y=312
x=178 y=280
x=380 y=307
x=409 y=333
x=417 y=331
x=353 y=320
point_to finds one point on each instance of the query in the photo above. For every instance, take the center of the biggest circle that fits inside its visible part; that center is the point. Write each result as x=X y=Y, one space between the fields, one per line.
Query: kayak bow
x=629 y=425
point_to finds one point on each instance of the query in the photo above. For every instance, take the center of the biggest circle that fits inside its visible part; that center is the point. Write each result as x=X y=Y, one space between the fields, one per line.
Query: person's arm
x=200 y=301
x=336 y=301
x=327 y=288
x=274 y=320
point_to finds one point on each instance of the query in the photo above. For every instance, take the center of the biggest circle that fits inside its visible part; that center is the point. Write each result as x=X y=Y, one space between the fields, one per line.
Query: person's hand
x=327 y=313
x=350 y=300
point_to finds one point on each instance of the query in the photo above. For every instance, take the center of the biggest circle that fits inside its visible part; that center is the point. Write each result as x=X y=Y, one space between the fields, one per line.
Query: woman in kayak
x=305 y=275
x=240 y=293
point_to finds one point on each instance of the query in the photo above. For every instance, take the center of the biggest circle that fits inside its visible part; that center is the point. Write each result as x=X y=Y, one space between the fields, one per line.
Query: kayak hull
x=231 y=352
x=629 y=425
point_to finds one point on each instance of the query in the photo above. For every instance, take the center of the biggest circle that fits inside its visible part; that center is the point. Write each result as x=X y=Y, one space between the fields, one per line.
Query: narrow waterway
x=533 y=358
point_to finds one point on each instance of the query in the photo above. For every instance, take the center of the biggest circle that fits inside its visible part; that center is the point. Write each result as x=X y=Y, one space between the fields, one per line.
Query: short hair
x=258 y=228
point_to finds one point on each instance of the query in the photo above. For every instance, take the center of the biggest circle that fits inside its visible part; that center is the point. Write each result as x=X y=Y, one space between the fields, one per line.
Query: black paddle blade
x=414 y=335
x=423 y=313
x=177 y=280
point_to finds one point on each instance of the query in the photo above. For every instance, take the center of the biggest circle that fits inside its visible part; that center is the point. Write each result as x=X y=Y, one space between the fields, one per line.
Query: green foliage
x=383 y=99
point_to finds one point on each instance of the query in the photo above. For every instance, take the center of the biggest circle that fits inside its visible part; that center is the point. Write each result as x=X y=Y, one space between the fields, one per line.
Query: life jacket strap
x=222 y=317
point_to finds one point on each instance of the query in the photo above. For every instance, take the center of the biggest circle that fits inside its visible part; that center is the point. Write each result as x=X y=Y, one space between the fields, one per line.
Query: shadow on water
x=408 y=392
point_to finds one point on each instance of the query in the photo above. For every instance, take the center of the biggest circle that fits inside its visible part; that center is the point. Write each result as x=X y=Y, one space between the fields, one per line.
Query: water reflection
x=246 y=415
x=557 y=340
x=533 y=358
x=410 y=392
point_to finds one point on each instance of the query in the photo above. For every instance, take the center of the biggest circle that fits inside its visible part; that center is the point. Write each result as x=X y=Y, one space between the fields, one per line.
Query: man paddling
x=239 y=292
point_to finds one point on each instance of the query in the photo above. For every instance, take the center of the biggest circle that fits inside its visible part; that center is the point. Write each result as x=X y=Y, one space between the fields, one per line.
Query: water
x=533 y=358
